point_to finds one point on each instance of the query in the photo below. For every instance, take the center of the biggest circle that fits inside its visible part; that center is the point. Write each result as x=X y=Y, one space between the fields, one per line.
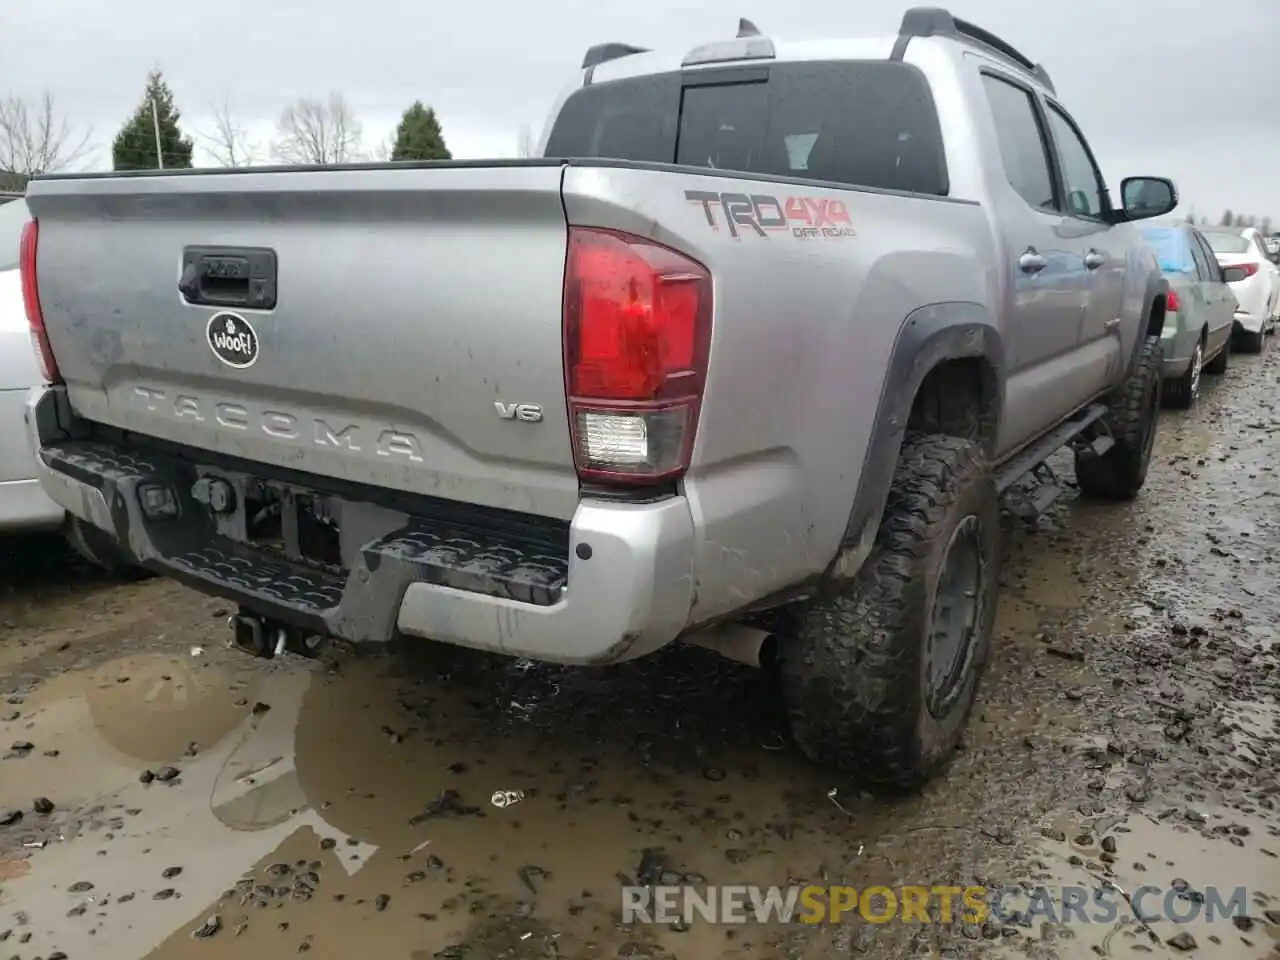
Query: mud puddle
x=1126 y=735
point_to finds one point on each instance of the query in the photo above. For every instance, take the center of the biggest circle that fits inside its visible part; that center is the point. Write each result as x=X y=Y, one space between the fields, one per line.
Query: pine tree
x=418 y=137
x=1226 y=219
x=134 y=147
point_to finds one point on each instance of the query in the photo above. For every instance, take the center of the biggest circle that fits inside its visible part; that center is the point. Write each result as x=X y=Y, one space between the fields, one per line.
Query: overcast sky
x=1184 y=88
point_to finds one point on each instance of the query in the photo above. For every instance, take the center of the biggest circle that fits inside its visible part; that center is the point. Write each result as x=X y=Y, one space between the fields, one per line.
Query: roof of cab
x=616 y=61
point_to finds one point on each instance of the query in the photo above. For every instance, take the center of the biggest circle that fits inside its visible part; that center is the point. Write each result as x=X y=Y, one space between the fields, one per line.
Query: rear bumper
x=615 y=585
x=1176 y=349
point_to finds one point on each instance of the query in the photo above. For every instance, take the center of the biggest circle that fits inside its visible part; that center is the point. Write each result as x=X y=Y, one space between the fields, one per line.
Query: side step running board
x=1032 y=456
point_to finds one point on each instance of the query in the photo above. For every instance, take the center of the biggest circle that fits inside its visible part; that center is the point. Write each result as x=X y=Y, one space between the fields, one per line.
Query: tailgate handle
x=229 y=277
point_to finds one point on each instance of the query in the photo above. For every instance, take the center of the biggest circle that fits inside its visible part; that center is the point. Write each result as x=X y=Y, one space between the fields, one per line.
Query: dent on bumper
x=629 y=586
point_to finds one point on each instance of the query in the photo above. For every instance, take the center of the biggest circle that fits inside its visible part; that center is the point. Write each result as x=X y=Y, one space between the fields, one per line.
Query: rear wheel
x=1251 y=342
x=1182 y=392
x=1134 y=413
x=879 y=677
x=1218 y=365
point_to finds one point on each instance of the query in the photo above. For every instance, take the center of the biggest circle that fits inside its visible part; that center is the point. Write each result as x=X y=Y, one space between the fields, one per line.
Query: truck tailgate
x=416 y=311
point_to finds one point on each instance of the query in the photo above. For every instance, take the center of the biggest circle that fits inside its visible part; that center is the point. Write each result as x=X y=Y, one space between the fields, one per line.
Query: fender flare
x=928 y=336
x=1157 y=286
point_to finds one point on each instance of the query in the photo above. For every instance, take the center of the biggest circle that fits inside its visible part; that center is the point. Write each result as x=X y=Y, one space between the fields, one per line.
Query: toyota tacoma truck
x=745 y=357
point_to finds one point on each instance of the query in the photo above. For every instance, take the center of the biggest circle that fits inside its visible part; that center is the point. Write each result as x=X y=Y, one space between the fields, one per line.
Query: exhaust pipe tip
x=738 y=642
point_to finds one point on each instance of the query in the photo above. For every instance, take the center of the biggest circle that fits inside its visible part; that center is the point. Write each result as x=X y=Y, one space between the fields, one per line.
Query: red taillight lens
x=1249 y=269
x=1172 y=303
x=31 y=300
x=637 y=331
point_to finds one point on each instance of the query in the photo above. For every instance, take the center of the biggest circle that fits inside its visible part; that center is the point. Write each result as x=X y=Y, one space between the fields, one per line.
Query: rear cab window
x=854 y=123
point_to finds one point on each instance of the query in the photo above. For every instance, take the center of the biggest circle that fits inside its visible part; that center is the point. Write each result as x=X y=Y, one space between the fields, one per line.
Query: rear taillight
x=637 y=331
x=1249 y=269
x=1172 y=304
x=31 y=300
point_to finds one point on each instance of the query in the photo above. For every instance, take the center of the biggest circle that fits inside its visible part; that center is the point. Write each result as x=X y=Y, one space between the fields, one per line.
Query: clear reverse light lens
x=615 y=439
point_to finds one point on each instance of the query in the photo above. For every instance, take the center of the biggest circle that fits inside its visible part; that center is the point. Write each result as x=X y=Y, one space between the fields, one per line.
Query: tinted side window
x=869 y=124
x=1022 y=142
x=1197 y=253
x=1083 y=183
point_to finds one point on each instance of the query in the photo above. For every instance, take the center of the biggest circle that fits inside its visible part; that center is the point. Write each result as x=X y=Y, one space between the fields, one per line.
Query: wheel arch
x=946 y=374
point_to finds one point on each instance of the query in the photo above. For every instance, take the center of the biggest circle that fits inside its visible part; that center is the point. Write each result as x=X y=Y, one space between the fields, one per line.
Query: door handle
x=1031 y=261
x=1094 y=259
x=1111 y=324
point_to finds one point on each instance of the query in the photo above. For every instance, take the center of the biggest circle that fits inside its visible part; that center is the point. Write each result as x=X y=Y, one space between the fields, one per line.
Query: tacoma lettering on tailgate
x=360 y=439
x=805 y=217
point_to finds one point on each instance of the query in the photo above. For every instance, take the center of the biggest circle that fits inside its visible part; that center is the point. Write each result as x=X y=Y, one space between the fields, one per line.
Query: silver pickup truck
x=745 y=357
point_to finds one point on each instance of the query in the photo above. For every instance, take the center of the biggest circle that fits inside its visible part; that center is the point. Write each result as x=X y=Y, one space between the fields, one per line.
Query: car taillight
x=1172 y=304
x=1249 y=269
x=31 y=300
x=637 y=332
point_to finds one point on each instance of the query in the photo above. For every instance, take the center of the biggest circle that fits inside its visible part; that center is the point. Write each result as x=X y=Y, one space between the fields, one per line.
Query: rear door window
x=1024 y=148
x=865 y=124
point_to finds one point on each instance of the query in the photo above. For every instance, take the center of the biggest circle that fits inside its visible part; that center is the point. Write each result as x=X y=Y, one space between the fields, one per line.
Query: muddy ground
x=1127 y=732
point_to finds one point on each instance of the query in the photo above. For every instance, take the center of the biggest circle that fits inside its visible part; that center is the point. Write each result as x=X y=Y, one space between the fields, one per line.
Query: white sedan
x=1255 y=281
x=23 y=505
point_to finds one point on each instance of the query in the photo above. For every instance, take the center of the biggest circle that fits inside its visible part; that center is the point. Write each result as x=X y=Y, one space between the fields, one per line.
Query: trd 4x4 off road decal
x=805 y=217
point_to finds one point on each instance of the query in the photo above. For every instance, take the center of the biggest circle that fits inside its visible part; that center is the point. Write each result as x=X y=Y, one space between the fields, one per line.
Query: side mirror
x=1146 y=197
x=1233 y=274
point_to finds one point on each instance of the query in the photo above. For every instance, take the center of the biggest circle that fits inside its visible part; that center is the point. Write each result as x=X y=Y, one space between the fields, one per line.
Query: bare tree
x=34 y=138
x=319 y=132
x=386 y=147
x=525 y=147
x=228 y=141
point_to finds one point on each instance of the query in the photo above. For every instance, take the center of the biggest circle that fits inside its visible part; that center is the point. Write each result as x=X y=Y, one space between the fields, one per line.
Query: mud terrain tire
x=100 y=550
x=855 y=671
x=1133 y=416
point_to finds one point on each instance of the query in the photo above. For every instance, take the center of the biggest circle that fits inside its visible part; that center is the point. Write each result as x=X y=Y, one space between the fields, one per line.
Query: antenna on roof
x=746 y=28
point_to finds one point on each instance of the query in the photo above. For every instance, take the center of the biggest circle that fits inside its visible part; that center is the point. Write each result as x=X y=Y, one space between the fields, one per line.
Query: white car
x=23 y=505
x=1254 y=279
